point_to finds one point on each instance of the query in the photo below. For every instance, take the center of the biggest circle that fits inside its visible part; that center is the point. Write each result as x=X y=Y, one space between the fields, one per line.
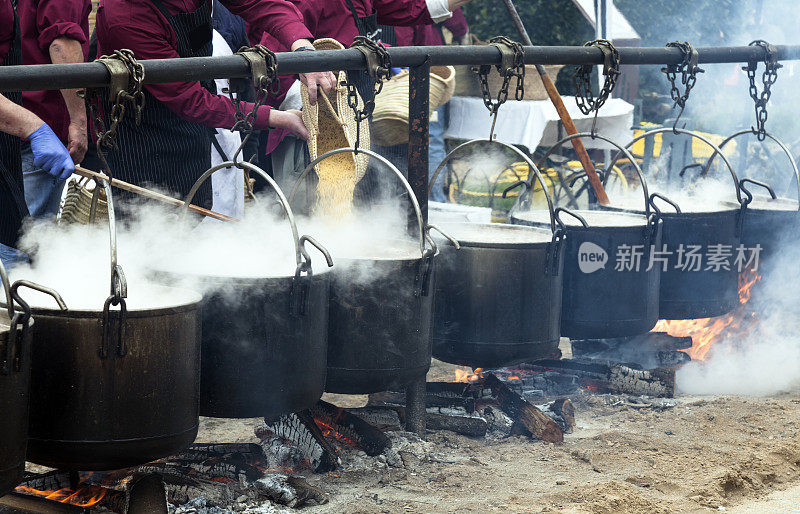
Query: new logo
x=591 y=257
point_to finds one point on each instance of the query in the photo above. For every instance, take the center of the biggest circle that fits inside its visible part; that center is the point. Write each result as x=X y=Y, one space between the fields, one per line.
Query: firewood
x=535 y=421
x=365 y=435
x=655 y=382
x=615 y=378
x=465 y=425
x=562 y=412
x=441 y=398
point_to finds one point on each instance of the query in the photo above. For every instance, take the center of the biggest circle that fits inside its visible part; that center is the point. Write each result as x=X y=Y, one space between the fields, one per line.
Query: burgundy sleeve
x=403 y=13
x=277 y=17
x=150 y=39
x=457 y=24
x=6 y=28
x=62 y=18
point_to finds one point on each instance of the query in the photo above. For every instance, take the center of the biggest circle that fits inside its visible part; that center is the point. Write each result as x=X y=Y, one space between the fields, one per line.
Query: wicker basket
x=390 y=117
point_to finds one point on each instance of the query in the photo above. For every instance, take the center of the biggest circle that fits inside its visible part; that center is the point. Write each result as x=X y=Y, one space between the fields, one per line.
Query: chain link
x=584 y=96
x=513 y=67
x=264 y=84
x=133 y=95
x=768 y=78
x=688 y=69
x=379 y=64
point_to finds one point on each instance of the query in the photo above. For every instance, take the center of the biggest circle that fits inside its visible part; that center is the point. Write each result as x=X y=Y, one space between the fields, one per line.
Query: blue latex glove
x=50 y=154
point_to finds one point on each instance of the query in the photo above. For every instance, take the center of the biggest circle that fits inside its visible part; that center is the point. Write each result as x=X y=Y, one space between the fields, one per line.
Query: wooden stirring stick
x=119 y=184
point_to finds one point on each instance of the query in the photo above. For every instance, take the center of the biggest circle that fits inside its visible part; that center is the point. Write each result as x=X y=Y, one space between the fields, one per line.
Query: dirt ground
x=688 y=454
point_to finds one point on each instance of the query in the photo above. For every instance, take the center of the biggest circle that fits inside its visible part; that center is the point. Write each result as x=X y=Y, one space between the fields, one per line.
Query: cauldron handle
x=757 y=183
x=690 y=133
x=780 y=143
x=411 y=196
x=302 y=259
x=531 y=167
x=663 y=198
x=620 y=150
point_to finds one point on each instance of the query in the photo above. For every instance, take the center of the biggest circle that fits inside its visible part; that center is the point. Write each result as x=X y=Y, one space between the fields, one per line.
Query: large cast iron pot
x=697 y=293
x=263 y=348
x=768 y=222
x=16 y=329
x=498 y=296
x=115 y=387
x=380 y=326
x=601 y=298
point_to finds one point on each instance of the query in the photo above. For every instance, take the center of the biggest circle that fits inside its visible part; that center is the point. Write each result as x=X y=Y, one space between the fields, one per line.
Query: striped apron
x=165 y=150
x=12 y=199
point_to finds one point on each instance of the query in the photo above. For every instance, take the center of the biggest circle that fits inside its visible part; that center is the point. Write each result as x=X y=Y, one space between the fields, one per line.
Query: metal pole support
x=418 y=126
x=415 y=407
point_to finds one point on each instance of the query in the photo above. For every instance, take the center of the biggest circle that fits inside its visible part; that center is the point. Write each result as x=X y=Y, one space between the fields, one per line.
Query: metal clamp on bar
x=688 y=69
x=769 y=77
x=379 y=67
x=587 y=102
x=512 y=65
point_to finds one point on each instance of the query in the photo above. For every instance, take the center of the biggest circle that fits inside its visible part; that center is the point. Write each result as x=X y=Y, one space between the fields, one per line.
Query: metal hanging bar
x=95 y=75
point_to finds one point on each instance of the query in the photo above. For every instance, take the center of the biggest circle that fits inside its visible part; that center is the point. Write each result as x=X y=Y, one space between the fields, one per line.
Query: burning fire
x=707 y=331
x=463 y=375
x=86 y=496
x=331 y=433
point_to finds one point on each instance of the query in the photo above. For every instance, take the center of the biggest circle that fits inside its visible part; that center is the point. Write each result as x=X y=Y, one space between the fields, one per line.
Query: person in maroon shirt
x=53 y=31
x=172 y=146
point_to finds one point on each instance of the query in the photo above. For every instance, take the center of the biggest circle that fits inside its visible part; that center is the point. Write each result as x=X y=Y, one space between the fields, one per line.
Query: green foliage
x=549 y=22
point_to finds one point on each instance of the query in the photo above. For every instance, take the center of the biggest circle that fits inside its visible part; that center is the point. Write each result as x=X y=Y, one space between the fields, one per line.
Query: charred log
x=300 y=432
x=562 y=412
x=535 y=421
x=366 y=436
x=471 y=426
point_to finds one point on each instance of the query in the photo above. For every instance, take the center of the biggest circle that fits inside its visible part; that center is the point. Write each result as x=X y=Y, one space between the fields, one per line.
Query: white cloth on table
x=535 y=122
x=227 y=184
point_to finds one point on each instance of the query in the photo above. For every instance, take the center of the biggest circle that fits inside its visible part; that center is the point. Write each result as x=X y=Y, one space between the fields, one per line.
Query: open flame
x=707 y=331
x=463 y=375
x=332 y=433
x=86 y=496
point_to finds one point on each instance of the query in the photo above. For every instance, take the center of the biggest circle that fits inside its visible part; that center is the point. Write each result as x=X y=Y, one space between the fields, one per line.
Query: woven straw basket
x=331 y=123
x=390 y=118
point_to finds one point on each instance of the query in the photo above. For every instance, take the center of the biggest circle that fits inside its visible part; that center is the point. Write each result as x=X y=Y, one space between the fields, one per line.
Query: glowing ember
x=86 y=496
x=331 y=432
x=707 y=331
x=463 y=375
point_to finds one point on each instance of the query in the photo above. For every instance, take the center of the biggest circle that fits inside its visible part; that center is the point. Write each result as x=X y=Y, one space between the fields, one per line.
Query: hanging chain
x=768 y=78
x=126 y=88
x=512 y=66
x=587 y=102
x=688 y=69
x=264 y=68
x=379 y=67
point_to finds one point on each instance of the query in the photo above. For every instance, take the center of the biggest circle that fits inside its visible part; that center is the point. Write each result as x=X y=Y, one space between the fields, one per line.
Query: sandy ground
x=689 y=454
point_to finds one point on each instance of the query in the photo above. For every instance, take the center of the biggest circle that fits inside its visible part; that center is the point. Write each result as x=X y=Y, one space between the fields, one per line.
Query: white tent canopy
x=617 y=25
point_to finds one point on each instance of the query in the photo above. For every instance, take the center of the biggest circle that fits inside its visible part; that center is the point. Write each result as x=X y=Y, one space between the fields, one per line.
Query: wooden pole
x=147 y=193
x=558 y=103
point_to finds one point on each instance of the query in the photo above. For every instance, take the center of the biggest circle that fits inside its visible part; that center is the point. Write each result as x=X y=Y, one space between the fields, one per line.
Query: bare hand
x=324 y=79
x=289 y=120
x=78 y=143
